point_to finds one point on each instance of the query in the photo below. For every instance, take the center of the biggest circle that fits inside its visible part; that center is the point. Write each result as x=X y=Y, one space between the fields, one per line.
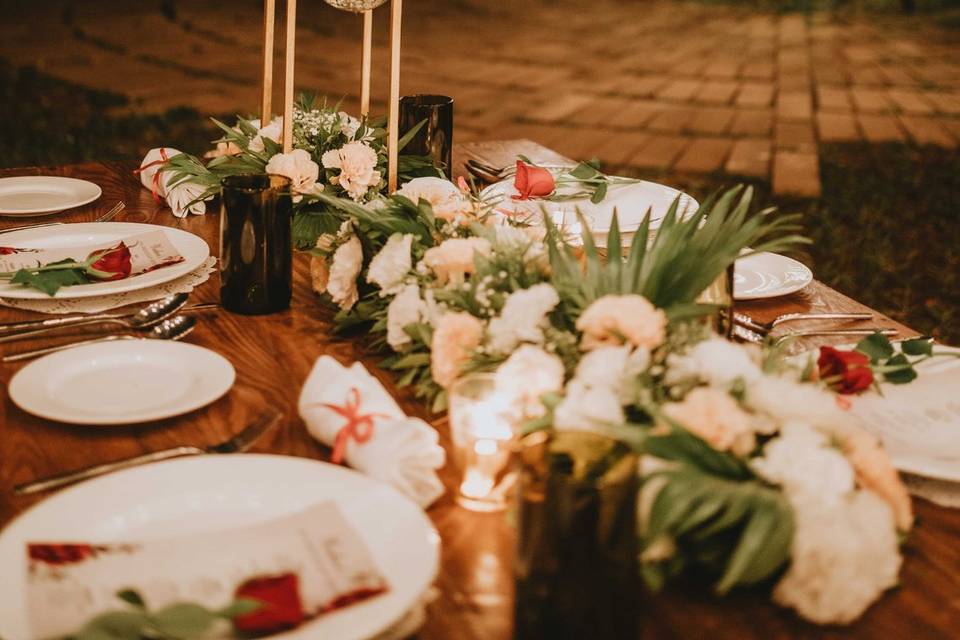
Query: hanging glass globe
x=357 y=6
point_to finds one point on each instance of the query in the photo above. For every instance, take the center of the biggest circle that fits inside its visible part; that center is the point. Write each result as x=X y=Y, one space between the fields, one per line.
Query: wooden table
x=273 y=354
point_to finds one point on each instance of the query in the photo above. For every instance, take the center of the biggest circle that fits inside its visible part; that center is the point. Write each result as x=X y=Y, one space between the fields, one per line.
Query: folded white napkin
x=177 y=196
x=401 y=450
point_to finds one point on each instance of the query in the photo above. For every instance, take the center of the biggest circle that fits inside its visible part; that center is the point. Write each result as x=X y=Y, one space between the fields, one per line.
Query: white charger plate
x=44 y=195
x=631 y=202
x=220 y=492
x=919 y=422
x=768 y=275
x=193 y=248
x=125 y=382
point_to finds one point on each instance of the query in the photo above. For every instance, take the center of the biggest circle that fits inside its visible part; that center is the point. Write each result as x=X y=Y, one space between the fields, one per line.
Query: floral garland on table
x=333 y=154
x=751 y=468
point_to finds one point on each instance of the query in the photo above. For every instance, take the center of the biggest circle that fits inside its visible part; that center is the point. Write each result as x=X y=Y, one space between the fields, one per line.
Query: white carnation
x=786 y=400
x=802 y=460
x=844 y=555
x=586 y=408
x=299 y=167
x=604 y=367
x=716 y=361
x=445 y=198
x=406 y=308
x=522 y=318
x=273 y=131
x=357 y=162
x=344 y=269
x=391 y=264
x=529 y=373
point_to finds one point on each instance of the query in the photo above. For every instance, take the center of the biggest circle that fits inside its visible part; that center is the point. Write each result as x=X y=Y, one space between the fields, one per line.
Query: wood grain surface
x=273 y=354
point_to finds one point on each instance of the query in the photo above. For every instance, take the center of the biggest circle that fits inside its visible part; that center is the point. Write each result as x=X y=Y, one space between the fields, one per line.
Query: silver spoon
x=175 y=328
x=142 y=319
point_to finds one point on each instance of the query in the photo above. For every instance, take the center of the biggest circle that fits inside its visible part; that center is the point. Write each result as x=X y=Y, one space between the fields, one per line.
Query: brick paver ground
x=665 y=85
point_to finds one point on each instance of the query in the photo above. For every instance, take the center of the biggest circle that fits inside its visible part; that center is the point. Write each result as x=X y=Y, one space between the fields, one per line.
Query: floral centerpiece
x=752 y=471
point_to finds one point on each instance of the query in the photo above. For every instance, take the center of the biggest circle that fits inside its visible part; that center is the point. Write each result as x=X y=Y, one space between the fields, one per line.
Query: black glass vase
x=576 y=569
x=256 y=254
x=435 y=138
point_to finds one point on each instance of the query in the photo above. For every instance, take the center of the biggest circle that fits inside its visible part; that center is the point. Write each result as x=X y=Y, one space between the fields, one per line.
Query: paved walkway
x=659 y=85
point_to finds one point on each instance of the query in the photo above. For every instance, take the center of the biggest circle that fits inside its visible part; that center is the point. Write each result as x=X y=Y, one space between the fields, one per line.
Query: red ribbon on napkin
x=359 y=426
x=156 y=176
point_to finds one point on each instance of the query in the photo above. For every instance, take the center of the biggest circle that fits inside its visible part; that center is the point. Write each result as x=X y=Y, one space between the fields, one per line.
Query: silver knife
x=237 y=444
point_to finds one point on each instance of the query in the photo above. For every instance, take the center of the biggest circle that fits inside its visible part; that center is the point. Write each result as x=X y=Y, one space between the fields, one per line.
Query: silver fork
x=749 y=335
x=766 y=327
x=108 y=216
x=239 y=443
x=114 y=210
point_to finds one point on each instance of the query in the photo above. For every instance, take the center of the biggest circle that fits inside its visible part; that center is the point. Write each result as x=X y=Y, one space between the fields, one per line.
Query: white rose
x=406 y=308
x=274 y=131
x=344 y=269
x=299 y=167
x=391 y=264
x=844 y=555
x=445 y=198
x=527 y=374
x=357 y=162
x=523 y=317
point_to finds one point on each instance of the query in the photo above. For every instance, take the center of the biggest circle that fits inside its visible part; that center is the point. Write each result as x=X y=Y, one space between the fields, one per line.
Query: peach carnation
x=716 y=418
x=455 y=337
x=615 y=320
x=453 y=258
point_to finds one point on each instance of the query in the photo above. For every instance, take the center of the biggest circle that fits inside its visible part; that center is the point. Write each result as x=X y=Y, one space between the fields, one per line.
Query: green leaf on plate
x=114 y=625
x=917 y=346
x=239 y=607
x=599 y=194
x=132 y=597
x=900 y=376
x=876 y=347
x=183 y=620
x=49 y=281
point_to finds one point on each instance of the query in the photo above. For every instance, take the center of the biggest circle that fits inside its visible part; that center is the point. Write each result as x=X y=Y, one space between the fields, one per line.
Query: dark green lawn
x=887 y=230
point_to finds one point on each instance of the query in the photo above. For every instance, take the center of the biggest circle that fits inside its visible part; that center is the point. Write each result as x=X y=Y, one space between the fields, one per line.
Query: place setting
x=389 y=385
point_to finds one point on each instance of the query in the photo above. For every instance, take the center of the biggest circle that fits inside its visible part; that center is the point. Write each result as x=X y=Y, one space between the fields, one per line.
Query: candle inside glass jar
x=483 y=435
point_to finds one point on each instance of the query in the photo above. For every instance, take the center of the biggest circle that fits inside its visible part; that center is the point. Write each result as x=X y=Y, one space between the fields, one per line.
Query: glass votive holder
x=482 y=428
x=435 y=137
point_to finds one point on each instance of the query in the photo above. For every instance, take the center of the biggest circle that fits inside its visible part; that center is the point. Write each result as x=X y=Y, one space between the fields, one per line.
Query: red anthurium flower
x=60 y=553
x=281 y=608
x=848 y=371
x=112 y=264
x=532 y=182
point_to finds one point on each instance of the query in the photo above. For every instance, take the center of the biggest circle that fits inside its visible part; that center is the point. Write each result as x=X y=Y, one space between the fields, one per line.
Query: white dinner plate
x=768 y=275
x=918 y=422
x=124 y=382
x=43 y=195
x=631 y=202
x=220 y=492
x=193 y=249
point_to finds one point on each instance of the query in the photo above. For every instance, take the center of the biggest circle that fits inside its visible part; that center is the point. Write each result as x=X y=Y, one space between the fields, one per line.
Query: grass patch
x=47 y=121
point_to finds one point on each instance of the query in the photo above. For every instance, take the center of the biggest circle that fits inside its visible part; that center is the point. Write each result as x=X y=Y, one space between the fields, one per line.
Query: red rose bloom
x=852 y=367
x=112 y=264
x=60 y=553
x=6 y=251
x=532 y=182
x=281 y=607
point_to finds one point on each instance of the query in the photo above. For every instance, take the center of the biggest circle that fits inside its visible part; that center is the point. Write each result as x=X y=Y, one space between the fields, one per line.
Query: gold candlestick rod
x=396 y=9
x=365 y=58
x=269 y=24
x=289 y=57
